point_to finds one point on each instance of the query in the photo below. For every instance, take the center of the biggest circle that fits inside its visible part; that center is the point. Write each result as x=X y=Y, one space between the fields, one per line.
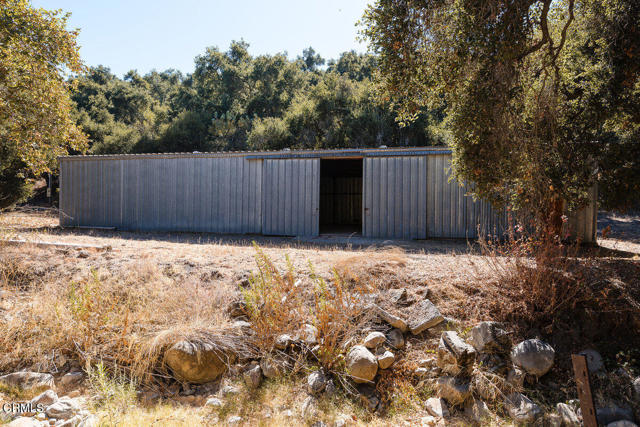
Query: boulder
x=386 y=359
x=437 y=407
x=393 y=320
x=487 y=337
x=63 y=409
x=308 y=335
x=45 y=399
x=477 y=410
x=395 y=338
x=522 y=409
x=361 y=364
x=196 y=363
x=252 y=377
x=622 y=423
x=454 y=390
x=569 y=418
x=454 y=355
x=316 y=383
x=24 y=422
x=534 y=356
x=25 y=380
x=374 y=339
x=425 y=316
x=594 y=360
x=71 y=422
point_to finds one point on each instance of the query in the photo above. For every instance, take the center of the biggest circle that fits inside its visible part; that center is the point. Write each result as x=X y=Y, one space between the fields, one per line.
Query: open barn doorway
x=341 y=196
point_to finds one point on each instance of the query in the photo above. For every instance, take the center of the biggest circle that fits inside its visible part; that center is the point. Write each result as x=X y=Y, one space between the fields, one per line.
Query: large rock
x=636 y=387
x=71 y=379
x=309 y=409
x=488 y=337
x=283 y=341
x=594 y=360
x=437 y=407
x=534 y=356
x=374 y=339
x=454 y=355
x=453 y=389
x=522 y=409
x=386 y=359
x=26 y=380
x=197 y=363
x=477 y=411
x=316 y=383
x=361 y=364
x=393 y=320
x=63 y=409
x=252 y=377
x=610 y=413
x=569 y=418
x=395 y=338
x=308 y=335
x=45 y=399
x=622 y=423
x=24 y=422
x=270 y=368
x=425 y=315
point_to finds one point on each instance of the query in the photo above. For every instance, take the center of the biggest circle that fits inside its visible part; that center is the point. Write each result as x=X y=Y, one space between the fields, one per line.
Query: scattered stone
x=63 y=409
x=237 y=309
x=309 y=408
x=361 y=364
x=196 y=363
x=374 y=339
x=534 y=356
x=552 y=420
x=71 y=379
x=71 y=422
x=386 y=359
x=421 y=372
x=308 y=335
x=426 y=315
x=477 y=410
x=391 y=319
x=488 y=337
x=243 y=325
x=283 y=342
x=636 y=386
x=437 y=407
x=319 y=424
x=395 y=338
x=27 y=380
x=83 y=254
x=594 y=360
x=214 y=402
x=45 y=399
x=453 y=389
x=253 y=377
x=454 y=355
x=316 y=383
x=341 y=421
x=522 y=409
x=270 y=368
x=330 y=388
x=569 y=418
x=611 y=413
x=234 y=420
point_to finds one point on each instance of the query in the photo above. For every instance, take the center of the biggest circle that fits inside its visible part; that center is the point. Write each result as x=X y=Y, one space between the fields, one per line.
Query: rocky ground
x=425 y=351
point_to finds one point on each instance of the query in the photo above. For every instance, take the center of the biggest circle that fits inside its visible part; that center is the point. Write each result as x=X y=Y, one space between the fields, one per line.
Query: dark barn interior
x=341 y=196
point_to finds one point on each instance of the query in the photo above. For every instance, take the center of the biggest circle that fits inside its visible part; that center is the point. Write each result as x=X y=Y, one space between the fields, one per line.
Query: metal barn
x=397 y=193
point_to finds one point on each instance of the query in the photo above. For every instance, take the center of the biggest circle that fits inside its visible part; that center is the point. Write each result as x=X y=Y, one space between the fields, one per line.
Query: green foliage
x=234 y=101
x=541 y=97
x=36 y=55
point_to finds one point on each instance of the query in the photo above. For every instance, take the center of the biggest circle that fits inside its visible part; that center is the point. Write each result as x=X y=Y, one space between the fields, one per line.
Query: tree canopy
x=37 y=54
x=235 y=101
x=541 y=97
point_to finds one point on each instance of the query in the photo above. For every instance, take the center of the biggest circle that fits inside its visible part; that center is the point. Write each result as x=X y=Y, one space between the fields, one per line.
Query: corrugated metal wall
x=291 y=189
x=184 y=194
x=395 y=197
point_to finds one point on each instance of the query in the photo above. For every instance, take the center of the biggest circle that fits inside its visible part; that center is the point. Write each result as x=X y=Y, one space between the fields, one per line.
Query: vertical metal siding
x=395 y=197
x=291 y=190
x=184 y=194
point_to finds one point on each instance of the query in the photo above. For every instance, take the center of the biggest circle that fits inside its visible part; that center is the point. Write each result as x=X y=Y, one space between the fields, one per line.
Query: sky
x=162 y=34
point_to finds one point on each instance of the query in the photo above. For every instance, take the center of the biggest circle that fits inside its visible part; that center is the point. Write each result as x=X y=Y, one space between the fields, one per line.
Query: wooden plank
x=584 y=390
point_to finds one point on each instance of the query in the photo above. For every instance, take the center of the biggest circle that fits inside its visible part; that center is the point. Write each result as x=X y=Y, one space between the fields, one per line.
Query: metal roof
x=282 y=154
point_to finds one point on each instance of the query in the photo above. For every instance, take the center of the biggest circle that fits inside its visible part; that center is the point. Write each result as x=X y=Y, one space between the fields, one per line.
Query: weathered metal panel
x=394 y=197
x=291 y=189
